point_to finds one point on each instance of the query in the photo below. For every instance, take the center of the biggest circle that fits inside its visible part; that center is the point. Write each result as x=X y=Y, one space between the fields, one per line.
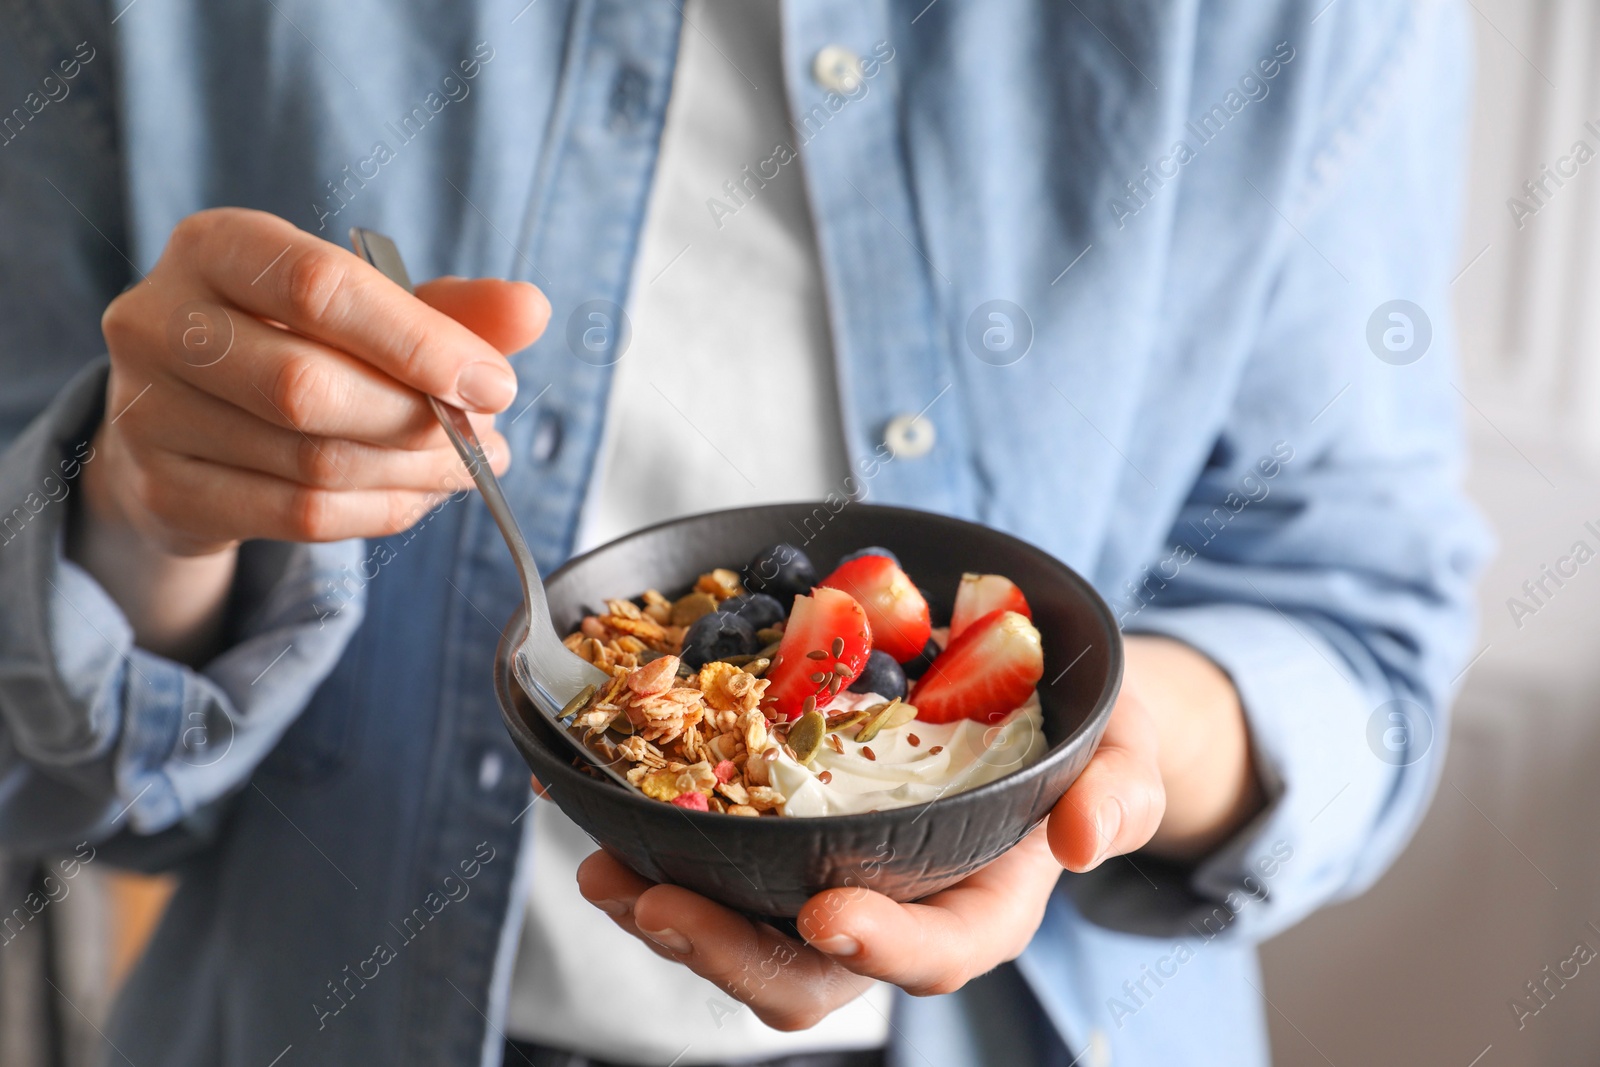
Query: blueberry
x=782 y=571
x=882 y=676
x=918 y=665
x=716 y=636
x=870 y=550
x=757 y=609
x=938 y=617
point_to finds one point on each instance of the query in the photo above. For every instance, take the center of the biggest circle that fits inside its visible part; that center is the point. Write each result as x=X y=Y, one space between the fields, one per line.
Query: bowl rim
x=1093 y=723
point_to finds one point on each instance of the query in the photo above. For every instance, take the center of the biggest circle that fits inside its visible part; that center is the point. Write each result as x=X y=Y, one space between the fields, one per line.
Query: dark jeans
x=522 y=1054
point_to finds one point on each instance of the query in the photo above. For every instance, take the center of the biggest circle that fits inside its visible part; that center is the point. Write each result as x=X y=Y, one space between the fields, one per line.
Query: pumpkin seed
x=769 y=635
x=805 y=736
x=903 y=714
x=758 y=666
x=846 y=719
x=577 y=703
x=879 y=718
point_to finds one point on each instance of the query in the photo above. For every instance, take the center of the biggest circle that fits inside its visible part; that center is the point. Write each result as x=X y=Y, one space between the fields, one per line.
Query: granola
x=726 y=700
x=692 y=732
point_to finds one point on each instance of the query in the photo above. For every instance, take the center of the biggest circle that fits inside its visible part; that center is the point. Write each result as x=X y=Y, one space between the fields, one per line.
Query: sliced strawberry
x=979 y=594
x=826 y=620
x=894 y=606
x=985 y=673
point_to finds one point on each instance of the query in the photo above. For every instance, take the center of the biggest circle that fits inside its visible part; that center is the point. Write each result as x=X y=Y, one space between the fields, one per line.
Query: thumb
x=509 y=315
x=1117 y=803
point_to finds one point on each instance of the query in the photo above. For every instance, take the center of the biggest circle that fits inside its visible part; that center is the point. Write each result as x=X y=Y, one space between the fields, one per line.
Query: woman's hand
x=267 y=384
x=934 y=946
x=1177 y=737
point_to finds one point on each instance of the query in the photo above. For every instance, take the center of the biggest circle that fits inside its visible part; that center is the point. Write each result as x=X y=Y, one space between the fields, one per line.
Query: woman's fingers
x=321 y=291
x=1117 y=803
x=269 y=384
x=304 y=385
x=788 y=985
x=939 y=944
x=185 y=421
x=197 y=505
x=935 y=946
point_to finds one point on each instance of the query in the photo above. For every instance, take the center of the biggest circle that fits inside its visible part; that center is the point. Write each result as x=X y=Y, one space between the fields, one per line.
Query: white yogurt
x=970 y=754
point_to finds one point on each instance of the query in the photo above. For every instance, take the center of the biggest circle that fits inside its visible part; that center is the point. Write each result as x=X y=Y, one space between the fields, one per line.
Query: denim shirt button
x=630 y=97
x=546 y=437
x=837 y=69
x=909 y=436
x=490 y=769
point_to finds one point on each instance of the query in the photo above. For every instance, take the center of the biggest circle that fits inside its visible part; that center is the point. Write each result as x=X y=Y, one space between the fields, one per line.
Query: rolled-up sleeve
x=1326 y=555
x=98 y=735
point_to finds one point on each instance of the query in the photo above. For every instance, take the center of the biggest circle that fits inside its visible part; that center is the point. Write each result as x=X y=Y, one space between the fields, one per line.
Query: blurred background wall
x=1504 y=876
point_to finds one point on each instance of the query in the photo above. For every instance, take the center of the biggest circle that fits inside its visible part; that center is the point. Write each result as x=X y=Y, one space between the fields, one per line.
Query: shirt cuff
x=100 y=733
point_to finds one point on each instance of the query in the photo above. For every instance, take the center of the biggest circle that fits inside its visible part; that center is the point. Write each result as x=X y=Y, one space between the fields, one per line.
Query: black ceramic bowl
x=771 y=866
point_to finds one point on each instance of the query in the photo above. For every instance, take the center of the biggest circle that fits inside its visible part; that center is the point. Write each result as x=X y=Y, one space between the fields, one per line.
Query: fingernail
x=614 y=908
x=1107 y=821
x=486 y=386
x=837 y=945
x=669 y=939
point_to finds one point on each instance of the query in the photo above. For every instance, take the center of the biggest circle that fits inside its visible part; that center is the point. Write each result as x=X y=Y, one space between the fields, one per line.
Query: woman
x=1103 y=275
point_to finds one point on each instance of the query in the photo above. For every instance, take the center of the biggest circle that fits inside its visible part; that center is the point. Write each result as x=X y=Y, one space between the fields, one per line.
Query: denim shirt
x=1132 y=261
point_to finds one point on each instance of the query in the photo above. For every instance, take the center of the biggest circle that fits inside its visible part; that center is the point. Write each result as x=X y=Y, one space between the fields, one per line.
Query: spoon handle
x=548 y=672
x=458 y=428
x=381 y=252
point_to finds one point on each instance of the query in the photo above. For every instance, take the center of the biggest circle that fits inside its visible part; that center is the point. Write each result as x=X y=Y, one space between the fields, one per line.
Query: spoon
x=553 y=676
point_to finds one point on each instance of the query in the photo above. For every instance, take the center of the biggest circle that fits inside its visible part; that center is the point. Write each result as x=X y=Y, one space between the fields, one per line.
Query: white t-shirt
x=725 y=397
